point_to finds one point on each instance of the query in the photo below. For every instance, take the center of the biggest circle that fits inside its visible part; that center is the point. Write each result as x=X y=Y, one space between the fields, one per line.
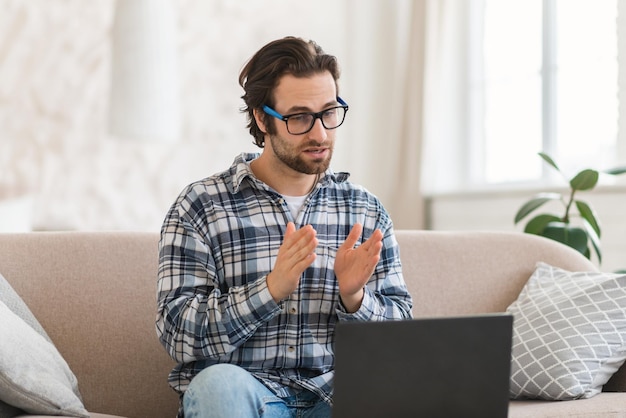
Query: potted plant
x=585 y=232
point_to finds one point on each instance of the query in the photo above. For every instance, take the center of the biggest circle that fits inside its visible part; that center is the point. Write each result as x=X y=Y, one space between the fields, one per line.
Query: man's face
x=309 y=153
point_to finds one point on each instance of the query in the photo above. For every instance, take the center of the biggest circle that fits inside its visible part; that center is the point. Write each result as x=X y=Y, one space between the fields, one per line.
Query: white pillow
x=14 y=302
x=19 y=307
x=33 y=375
x=569 y=333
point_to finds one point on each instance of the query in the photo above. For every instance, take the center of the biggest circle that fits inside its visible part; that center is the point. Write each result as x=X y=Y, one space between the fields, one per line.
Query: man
x=260 y=262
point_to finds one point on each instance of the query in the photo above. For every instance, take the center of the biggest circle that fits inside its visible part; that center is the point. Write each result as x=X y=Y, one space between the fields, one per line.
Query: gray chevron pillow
x=569 y=333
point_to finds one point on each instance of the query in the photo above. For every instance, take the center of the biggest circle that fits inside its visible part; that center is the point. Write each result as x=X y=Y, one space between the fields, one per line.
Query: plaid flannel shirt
x=219 y=241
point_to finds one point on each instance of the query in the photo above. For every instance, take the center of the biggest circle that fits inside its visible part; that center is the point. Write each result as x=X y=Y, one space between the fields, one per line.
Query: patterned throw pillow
x=569 y=333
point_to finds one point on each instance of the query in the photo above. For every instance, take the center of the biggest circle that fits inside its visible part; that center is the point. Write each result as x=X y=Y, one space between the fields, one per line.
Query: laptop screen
x=433 y=367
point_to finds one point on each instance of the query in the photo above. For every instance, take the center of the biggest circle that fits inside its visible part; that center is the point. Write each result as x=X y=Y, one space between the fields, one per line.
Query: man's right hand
x=296 y=253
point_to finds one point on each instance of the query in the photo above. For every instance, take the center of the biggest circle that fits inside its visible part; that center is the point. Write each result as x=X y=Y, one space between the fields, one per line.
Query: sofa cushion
x=33 y=375
x=9 y=411
x=569 y=333
x=92 y=415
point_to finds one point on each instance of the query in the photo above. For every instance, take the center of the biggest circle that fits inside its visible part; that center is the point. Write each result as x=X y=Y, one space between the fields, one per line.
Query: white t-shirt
x=294 y=203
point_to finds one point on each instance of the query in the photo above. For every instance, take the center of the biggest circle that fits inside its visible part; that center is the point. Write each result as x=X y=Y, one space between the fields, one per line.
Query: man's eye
x=329 y=112
x=300 y=118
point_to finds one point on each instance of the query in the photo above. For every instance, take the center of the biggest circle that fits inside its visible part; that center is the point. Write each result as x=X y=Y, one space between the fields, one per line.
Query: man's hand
x=296 y=253
x=354 y=266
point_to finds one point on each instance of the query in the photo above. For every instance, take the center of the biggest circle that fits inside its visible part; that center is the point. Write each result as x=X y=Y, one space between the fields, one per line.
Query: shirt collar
x=240 y=170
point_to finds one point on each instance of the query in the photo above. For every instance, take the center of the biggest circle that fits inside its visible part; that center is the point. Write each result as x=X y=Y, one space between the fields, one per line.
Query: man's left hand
x=354 y=266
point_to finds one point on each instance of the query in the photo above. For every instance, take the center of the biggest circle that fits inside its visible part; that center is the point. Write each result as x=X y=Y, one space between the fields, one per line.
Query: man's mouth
x=316 y=151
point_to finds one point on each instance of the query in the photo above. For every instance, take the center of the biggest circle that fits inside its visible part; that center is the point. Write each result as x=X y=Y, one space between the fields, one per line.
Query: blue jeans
x=225 y=390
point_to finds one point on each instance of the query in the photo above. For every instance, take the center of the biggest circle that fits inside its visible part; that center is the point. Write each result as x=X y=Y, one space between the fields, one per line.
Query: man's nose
x=318 y=131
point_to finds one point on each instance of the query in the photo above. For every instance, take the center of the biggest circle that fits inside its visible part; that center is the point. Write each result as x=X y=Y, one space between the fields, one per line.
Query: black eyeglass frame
x=316 y=115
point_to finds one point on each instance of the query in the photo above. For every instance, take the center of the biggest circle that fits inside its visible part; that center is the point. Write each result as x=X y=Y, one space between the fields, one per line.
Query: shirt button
x=292 y=310
x=291 y=349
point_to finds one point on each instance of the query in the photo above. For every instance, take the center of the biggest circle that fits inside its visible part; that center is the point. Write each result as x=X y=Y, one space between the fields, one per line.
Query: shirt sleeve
x=195 y=318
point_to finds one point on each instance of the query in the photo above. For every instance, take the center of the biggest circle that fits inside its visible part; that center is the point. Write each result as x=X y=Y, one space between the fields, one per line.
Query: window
x=538 y=75
x=549 y=83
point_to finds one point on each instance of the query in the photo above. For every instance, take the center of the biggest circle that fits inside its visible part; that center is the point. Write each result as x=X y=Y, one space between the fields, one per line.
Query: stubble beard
x=290 y=156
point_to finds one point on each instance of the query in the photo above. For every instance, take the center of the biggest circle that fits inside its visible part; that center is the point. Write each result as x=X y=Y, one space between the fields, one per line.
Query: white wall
x=60 y=167
x=496 y=211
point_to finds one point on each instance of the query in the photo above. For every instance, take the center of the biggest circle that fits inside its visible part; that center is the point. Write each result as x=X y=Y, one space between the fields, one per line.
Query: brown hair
x=261 y=74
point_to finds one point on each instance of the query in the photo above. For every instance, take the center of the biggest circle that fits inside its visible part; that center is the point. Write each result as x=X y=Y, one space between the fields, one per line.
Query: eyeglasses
x=301 y=123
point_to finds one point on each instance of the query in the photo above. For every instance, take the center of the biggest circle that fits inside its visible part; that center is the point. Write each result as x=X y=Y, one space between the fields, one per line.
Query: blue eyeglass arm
x=272 y=112
x=277 y=115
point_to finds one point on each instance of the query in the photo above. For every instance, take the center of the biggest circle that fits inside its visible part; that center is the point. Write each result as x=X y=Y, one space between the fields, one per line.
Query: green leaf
x=534 y=203
x=589 y=215
x=585 y=180
x=594 y=238
x=549 y=160
x=616 y=171
x=537 y=224
x=572 y=236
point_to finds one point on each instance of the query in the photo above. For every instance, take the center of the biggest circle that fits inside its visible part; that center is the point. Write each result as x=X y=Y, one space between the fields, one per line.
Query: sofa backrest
x=455 y=273
x=95 y=295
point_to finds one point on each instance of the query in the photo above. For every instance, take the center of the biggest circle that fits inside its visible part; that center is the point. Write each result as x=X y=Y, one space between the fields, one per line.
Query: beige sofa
x=94 y=293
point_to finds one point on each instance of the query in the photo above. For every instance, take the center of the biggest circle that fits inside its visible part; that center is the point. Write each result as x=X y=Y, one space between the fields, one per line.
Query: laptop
x=444 y=367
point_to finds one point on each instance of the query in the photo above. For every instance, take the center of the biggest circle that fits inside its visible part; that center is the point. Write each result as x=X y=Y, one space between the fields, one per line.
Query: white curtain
x=621 y=47
x=385 y=60
x=408 y=87
x=444 y=114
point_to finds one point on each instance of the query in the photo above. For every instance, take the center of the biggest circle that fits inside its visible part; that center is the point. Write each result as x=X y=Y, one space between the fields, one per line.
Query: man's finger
x=291 y=228
x=353 y=236
x=374 y=239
